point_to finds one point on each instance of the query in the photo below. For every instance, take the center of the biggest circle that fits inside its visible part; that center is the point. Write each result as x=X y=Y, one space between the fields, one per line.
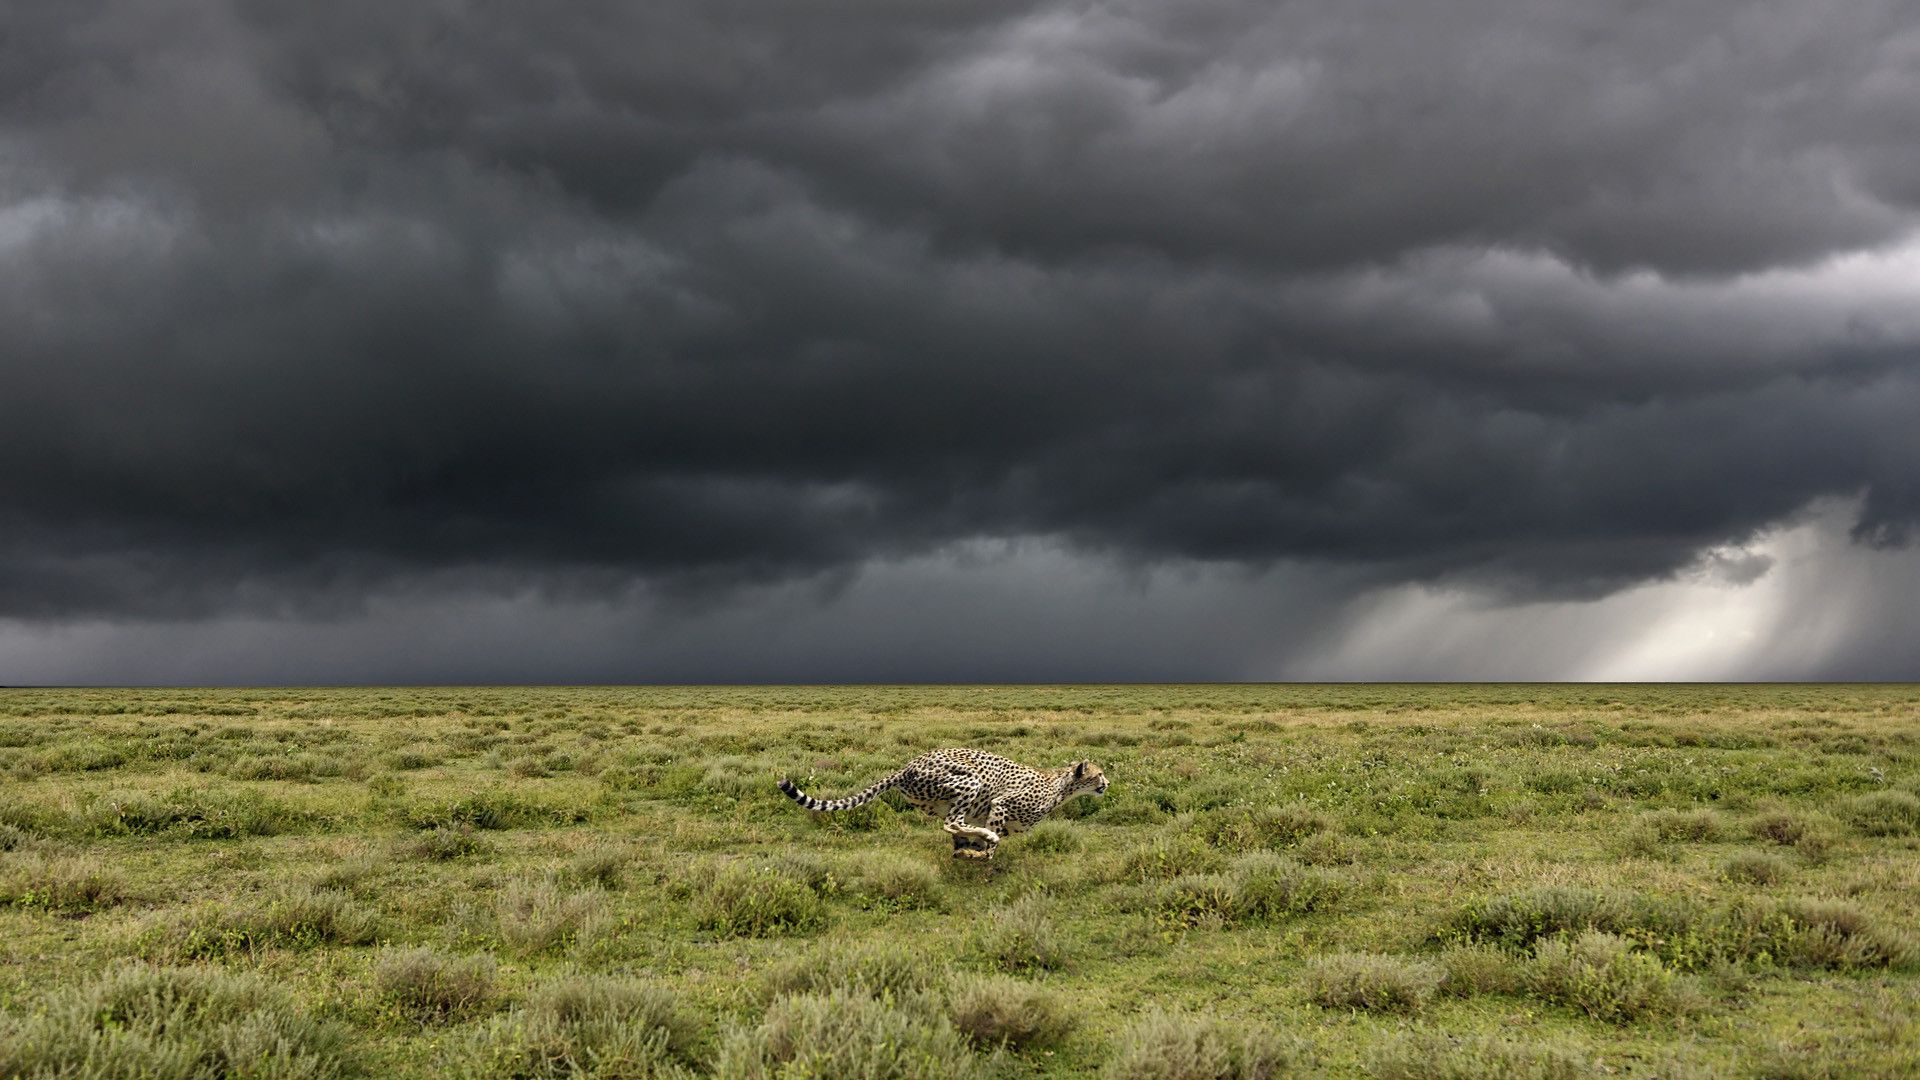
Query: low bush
x=1435 y=1056
x=874 y=969
x=1260 y=887
x=995 y=1010
x=1518 y=919
x=1373 y=982
x=1883 y=813
x=1262 y=827
x=1839 y=936
x=1601 y=975
x=1755 y=868
x=433 y=987
x=531 y=917
x=1269 y=887
x=164 y=1023
x=842 y=1036
x=1021 y=937
x=1480 y=969
x=201 y=814
x=69 y=885
x=1779 y=828
x=587 y=1026
x=602 y=864
x=1055 y=838
x=354 y=873
x=490 y=810
x=900 y=882
x=1168 y=857
x=1684 y=826
x=291 y=918
x=1171 y=1046
x=765 y=900
x=447 y=842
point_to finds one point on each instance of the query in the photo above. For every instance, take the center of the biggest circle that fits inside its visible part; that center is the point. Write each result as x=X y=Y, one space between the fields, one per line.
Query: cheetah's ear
x=1079 y=769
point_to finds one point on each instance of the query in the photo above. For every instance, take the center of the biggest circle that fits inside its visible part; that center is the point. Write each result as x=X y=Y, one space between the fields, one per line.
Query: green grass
x=1341 y=881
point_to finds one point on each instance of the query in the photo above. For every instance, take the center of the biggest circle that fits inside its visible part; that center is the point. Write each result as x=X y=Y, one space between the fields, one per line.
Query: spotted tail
x=847 y=803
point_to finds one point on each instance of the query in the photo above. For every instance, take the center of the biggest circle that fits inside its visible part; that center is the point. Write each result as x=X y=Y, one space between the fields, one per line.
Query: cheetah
x=961 y=785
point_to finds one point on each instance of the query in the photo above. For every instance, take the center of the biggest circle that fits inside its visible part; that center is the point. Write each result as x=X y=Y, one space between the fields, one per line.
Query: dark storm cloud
x=304 y=303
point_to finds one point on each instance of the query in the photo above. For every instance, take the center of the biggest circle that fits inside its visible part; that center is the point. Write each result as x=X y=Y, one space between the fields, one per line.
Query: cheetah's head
x=1087 y=779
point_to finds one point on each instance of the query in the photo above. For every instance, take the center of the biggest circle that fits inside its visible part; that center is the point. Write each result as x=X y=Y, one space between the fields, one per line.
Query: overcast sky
x=919 y=340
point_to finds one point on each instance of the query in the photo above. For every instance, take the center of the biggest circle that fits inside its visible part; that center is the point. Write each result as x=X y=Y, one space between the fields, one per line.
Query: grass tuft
x=995 y=1010
x=1171 y=1046
x=433 y=987
x=1601 y=975
x=164 y=1023
x=1883 y=813
x=588 y=1026
x=1372 y=982
x=1021 y=936
x=1436 y=1056
x=847 y=1037
x=66 y=885
x=759 y=901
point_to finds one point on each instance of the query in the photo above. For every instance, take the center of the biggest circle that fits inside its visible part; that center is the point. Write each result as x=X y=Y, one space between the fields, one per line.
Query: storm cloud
x=674 y=322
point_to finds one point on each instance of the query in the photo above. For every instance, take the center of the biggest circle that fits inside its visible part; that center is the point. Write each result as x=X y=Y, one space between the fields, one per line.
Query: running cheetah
x=962 y=784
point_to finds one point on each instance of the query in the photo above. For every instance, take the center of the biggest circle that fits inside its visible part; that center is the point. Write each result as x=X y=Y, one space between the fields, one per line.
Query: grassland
x=1385 y=881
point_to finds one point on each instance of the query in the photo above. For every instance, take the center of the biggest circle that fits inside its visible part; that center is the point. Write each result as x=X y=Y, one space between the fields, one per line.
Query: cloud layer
x=309 y=309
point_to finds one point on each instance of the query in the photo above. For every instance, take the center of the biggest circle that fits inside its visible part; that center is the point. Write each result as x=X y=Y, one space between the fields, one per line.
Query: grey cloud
x=307 y=308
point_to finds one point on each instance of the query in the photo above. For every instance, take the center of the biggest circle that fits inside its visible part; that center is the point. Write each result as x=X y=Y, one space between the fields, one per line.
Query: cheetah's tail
x=847 y=803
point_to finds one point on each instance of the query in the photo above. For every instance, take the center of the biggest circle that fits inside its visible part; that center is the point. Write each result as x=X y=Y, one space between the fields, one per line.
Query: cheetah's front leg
x=965 y=807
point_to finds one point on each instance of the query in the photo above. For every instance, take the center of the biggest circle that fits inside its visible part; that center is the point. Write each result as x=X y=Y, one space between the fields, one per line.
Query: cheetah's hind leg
x=973 y=846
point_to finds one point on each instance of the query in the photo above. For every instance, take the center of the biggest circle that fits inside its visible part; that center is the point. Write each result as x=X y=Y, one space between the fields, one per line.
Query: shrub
x=12 y=838
x=142 y=1021
x=842 y=1036
x=1020 y=937
x=1325 y=849
x=1755 y=868
x=351 y=874
x=760 y=901
x=1269 y=887
x=408 y=760
x=1170 y=857
x=537 y=917
x=446 y=843
x=216 y=814
x=1371 y=981
x=601 y=864
x=1884 y=813
x=1262 y=827
x=1779 y=828
x=1684 y=826
x=293 y=918
x=1479 y=969
x=70 y=885
x=278 y=767
x=1831 y=934
x=874 y=969
x=1600 y=975
x=995 y=1010
x=1518 y=919
x=1194 y=900
x=433 y=987
x=588 y=1026
x=490 y=810
x=1169 y=1046
x=899 y=882
x=1054 y=837
x=1434 y=1056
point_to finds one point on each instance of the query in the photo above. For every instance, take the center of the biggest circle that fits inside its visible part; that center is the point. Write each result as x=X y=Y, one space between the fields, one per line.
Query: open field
x=1388 y=881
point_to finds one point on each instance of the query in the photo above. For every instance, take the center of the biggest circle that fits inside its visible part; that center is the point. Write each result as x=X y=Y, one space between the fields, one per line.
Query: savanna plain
x=1528 y=881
